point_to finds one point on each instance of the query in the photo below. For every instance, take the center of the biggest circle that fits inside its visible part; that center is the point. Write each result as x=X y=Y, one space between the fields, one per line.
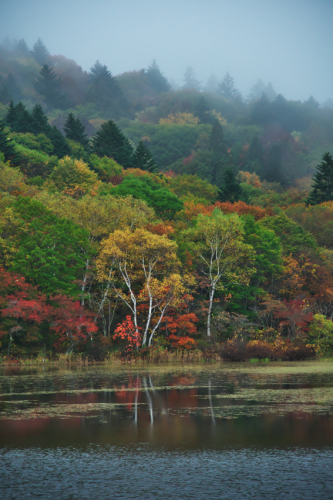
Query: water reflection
x=195 y=407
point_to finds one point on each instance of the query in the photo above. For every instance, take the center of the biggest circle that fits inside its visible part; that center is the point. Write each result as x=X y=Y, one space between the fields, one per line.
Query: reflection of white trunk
x=136 y=402
x=150 y=403
x=210 y=402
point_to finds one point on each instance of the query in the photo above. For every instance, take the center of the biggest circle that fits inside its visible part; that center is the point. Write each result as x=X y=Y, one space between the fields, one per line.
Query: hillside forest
x=138 y=219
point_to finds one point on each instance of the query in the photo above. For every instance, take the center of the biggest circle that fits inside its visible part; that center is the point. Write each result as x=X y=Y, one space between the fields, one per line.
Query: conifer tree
x=41 y=124
x=156 y=80
x=74 y=130
x=48 y=85
x=61 y=146
x=190 y=79
x=5 y=95
x=19 y=119
x=13 y=87
x=218 y=149
x=322 y=189
x=230 y=189
x=110 y=141
x=202 y=109
x=7 y=147
x=40 y=52
x=105 y=92
x=228 y=90
x=143 y=158
x=22 y=47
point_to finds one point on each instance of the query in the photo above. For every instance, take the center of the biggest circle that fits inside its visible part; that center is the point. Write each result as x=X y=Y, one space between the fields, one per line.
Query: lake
x=221 y=431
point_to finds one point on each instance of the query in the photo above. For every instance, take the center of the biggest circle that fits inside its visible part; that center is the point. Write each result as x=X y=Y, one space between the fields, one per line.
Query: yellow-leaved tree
x=73 y=177
x=221 y=256
x=139 y=260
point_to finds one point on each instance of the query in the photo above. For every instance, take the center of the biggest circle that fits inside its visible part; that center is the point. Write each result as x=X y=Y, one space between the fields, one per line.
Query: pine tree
x=5 y=95
x=228 y=90
x=110 y=141
x=219 y=150
x=190 y=79
x=105 y=92
x=13 y=87
x=7 y=146
x=40 y=52
x=22 y=47
x=61 y=146
x=19 y=119
x=201 y=110
x=230 y=189
x=74 y=130
x=48 y=85
x=322 y=189
x=156 y=80
x=143 y=158
x=41 y=124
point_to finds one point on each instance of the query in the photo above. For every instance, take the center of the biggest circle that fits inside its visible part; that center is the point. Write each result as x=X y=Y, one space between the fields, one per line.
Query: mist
x=287 y=43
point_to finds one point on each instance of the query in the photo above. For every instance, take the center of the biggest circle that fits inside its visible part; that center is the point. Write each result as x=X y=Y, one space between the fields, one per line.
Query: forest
x=138 y=219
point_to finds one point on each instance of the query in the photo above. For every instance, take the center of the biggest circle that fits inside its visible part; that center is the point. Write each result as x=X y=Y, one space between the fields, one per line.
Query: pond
x=224 y=431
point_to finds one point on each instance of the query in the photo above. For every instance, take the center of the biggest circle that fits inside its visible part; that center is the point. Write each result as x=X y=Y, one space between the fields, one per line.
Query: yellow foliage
x=180 y=119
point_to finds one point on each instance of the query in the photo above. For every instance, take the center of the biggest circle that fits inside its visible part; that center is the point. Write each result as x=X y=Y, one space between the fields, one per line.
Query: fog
x=286 y=42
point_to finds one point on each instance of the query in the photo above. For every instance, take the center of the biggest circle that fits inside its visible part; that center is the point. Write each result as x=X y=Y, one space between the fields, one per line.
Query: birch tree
x=220 y=254
x=141 y=268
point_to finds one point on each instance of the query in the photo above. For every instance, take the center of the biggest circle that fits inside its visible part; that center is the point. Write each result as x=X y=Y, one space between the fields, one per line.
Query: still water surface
x=262 y=431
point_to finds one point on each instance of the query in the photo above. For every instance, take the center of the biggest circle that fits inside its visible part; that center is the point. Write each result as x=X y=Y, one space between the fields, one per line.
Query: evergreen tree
x=273 y=164
x=5 y=95
x=41 y=124
x=48 y=85
x=230 y=189
x=40 y=52
x=261 y=112
x=110 y=141
x=156 y=80
x=19 y=119
x=201 y=110
x=190 y=79
x=322 y=189
x=255 y=157
x=143 y=158
x=228 y=90
x=61 y=146
x=211 y=85
x=256 y=90
x=22 y=47
x=216 y=139
x=7 y=146
x=218 y=149
x=74 y=130
x=13 y=87
x=105 y=92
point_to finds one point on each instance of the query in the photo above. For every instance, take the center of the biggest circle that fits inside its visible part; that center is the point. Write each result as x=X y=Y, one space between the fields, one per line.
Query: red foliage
x=126 y=332
x=71 y=322
x=182 y=343
x=295 y=315
x=160 y=229
x=188 y=160
x=181 y=324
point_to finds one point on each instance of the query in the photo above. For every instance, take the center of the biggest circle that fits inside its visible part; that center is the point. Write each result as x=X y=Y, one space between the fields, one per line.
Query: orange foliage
x=251 y=179
x=193 y=209
x=242 y=208
x=182 y=343
x=160 y=229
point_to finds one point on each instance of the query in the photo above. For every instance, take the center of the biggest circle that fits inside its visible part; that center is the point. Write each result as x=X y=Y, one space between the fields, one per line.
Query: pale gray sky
x=286 y=42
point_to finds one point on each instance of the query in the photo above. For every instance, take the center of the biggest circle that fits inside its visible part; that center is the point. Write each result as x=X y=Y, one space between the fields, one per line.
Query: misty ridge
x=263 y=133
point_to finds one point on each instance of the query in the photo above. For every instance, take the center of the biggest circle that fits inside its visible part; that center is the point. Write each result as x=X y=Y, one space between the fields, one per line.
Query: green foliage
x=7 y=146
x=35 y=163
x=50 y=252
x=186 y=184
x=321 y=334
x=110 y=141
x=156 y=80
x=293 y=237
x=317 y=219
x=35 y=142
x=165 y=203
x=60 y=144
x=105 y=167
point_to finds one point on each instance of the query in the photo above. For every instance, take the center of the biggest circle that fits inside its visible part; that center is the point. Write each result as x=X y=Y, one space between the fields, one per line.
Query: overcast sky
x=286 y=42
